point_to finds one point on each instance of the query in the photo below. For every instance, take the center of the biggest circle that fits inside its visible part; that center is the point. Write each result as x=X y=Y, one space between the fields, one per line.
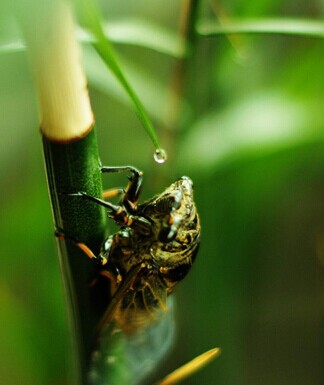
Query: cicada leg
x=100 y=259
x=133 y=188
x=120 y=215
x=123 y=285
x=112 y=193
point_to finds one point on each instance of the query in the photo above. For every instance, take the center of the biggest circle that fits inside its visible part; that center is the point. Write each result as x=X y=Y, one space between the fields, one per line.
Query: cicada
x=152 y=251
x=154 y=248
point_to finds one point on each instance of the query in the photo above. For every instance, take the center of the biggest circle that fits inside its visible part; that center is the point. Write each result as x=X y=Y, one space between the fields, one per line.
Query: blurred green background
x=250 y=135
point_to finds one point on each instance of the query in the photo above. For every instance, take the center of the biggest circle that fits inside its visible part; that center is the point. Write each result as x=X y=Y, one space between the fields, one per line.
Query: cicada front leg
x=133 y=188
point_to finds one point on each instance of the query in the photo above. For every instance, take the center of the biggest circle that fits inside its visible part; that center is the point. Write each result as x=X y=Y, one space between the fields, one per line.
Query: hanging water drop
x=160 y=155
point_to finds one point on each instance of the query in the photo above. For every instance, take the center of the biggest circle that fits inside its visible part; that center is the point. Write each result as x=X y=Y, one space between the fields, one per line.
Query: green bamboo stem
x=71 y=161
x=73 y=167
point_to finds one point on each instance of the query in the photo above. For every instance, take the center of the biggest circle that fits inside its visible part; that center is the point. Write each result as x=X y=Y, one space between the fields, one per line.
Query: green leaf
x=287 y=26
x=152 y=91
x=135 y=32
x=141 y=33
x=263 y=124
x=91 y=19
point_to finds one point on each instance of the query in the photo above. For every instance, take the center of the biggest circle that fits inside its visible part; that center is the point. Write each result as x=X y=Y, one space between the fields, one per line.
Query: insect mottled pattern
x=153 y=250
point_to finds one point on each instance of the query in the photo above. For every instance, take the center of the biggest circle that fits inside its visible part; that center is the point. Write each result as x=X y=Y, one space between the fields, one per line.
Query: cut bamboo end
x=66 y=113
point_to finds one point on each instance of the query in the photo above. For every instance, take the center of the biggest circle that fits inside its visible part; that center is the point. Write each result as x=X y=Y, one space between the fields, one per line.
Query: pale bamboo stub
x=66 y=113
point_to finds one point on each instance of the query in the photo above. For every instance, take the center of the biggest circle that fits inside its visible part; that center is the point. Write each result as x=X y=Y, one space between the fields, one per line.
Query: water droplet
x=160 y=155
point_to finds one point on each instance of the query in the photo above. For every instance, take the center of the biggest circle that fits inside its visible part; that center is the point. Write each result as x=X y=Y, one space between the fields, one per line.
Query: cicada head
x=177 y=230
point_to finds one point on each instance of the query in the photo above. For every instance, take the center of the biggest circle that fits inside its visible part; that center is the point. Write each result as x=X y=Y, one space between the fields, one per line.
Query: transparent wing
x=145 y=349
x=131 y=358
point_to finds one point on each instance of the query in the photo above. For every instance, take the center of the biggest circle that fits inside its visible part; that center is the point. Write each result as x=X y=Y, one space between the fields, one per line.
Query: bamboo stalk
x=71 y=160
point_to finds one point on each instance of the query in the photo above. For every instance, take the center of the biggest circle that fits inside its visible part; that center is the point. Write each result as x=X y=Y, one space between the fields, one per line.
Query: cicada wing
x=129 y=358
x=145 y=349
x=144 y=304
